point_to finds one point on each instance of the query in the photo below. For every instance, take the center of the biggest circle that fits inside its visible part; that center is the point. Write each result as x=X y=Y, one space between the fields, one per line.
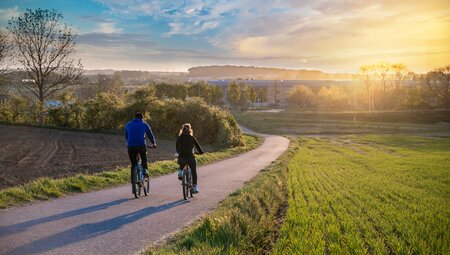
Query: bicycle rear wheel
x=185 y=185
x=135 y=185
x=191 y=185
x=146 y=185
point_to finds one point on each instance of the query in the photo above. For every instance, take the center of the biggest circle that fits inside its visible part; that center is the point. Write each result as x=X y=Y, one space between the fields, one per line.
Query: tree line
x=383 y=86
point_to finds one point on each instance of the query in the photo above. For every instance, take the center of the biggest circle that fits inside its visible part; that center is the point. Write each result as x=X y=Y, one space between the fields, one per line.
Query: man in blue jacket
x=135 y=132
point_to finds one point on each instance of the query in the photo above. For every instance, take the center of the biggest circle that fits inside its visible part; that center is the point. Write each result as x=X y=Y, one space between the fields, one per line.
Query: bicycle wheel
x=191 y=185
x=135 y=185
x=146 y=185
x=185 y=185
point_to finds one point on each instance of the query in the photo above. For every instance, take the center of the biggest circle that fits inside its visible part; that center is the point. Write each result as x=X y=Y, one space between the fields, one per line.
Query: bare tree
x=5 y=53
x=366 y=75
x=400 y=70
x=438 y=82
x=45 y=48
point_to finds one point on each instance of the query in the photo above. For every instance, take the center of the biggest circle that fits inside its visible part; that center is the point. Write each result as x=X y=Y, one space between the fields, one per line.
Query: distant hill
x=102 y=71
x=251 y=72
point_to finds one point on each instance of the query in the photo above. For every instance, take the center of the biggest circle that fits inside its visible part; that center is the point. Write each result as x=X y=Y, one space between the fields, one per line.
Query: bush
x=102 y=112
x=211 y=125
x=109 y=111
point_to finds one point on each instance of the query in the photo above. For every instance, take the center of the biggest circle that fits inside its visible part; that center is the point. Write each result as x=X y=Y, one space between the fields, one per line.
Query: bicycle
x=140 y=181
x=187 y=182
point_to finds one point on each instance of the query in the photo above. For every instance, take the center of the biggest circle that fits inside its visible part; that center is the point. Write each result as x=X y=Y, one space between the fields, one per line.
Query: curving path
x=112 y=222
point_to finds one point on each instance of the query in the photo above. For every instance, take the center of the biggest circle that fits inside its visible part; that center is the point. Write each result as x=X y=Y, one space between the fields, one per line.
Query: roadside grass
x=375 y=194
x=297 y=123
x=244 y=223
x=47 y=188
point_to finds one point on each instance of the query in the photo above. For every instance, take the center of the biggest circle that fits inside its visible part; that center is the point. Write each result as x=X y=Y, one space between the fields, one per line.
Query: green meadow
x=368 y=195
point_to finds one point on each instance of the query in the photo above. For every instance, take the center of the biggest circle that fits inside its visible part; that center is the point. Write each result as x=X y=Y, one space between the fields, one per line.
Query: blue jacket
x=135 y=131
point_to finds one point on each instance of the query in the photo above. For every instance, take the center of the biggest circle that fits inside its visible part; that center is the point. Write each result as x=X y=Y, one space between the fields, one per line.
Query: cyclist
x=135 y=132
x=185 y=150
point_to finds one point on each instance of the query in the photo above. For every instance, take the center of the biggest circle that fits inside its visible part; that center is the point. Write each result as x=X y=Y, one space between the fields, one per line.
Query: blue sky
x=334 y=36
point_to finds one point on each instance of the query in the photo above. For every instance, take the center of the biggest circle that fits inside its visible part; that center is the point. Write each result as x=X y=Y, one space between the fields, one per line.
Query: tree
x=261 y=95
x=45 y=48
x=400 y=71
x=17 y=109
x=300 y=96
x=244 y=94
x=252 y=93
x=366 y=74
x=234 y=93
x=140 y=101
x=276 y=92
x=5 y=52
x=438 y=82
x=201 y=89
x=68 y=112
x=109 y=83
x=216 y=95
x=166 y=90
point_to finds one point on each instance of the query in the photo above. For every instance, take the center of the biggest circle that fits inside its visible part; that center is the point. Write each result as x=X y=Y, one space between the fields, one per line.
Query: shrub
x=211 y=124
x=102 y=112
x=109 y=111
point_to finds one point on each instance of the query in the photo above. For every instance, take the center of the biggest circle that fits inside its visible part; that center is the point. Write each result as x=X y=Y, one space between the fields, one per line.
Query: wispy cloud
x=115 y=39
x=336 y=35
x=8 y=13
x=108 y=28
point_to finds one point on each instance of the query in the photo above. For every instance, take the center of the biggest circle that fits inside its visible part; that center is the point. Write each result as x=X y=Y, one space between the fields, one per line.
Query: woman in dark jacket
x=185 y=149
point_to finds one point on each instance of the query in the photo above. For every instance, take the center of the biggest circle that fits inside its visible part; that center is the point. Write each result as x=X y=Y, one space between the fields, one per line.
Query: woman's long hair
x=186 y=129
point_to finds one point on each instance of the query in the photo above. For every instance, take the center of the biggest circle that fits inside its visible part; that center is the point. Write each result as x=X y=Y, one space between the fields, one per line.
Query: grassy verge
x=47 y=188
x=297 y=123
x=368 y=195
x=245 y=223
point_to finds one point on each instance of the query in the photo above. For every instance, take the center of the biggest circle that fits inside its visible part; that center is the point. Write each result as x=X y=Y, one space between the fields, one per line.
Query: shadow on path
x=87 y=231
x=22 y=226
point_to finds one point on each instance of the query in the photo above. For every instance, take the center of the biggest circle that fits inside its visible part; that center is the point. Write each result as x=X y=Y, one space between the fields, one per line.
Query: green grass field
x=373 y=194
x=370 y=194
x=47 y=188
x=247 y=222
x=298 y=123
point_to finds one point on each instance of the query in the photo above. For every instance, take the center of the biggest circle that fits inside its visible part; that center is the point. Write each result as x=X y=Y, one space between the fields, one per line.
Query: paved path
x=112 y=222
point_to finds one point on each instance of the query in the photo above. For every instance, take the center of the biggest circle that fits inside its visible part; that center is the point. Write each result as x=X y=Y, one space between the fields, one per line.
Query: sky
x=174 y=35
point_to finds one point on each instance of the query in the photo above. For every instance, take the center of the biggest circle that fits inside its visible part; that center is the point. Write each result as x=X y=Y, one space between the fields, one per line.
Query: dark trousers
x=133 y=152
x=192 y=165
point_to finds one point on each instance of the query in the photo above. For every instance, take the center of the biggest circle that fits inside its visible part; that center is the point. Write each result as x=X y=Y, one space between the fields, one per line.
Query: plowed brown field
x=27 y=153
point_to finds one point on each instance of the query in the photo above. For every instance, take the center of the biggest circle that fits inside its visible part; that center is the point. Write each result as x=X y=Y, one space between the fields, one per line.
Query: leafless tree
x=366 y=75
x=400 y=70
x=5 y=52
x=438 y=82
x=45 y=48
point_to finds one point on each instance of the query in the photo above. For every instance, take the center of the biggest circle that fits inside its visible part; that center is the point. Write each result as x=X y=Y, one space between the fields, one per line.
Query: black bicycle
x=186 y=183
x=140 y=181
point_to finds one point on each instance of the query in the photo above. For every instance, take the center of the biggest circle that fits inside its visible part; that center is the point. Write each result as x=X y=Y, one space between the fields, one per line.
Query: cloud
x=108 y=28
x=190 y=29
x=7 y=14
x=183 y=17
x=115 y=40
x=331 y=34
